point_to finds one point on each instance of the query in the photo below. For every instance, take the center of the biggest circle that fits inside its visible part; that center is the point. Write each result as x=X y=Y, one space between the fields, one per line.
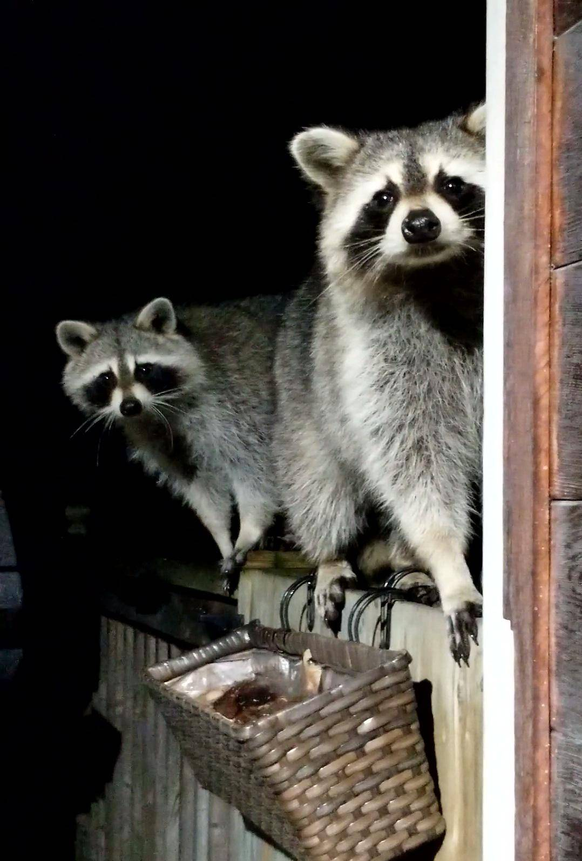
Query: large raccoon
x=379 y=360
x=193 y=390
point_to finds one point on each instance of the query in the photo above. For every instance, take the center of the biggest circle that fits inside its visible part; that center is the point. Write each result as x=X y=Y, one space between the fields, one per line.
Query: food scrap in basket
x=248 y=701
x=254 y=698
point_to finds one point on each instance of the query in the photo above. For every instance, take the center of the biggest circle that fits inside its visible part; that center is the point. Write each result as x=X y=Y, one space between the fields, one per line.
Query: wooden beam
x=527 y=443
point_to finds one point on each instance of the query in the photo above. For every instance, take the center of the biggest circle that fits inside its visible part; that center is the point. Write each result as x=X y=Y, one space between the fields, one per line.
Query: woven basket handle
x=236 y=641
x=325 y=650
x=330 y=651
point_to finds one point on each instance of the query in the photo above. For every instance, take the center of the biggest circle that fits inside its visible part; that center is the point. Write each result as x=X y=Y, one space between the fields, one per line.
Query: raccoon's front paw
x=330 y=592
x=462 y=628
x=230 y=575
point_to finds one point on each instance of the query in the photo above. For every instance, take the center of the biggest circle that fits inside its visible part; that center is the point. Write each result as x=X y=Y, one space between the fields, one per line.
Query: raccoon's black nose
x=421 y=225
x=130 y=407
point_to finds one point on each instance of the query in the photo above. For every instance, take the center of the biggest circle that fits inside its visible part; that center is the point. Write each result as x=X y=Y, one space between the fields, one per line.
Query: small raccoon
x=379 y=360
x=193 y=390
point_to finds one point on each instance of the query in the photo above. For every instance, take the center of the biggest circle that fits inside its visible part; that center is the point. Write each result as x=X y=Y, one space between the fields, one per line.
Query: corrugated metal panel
x=153 y=809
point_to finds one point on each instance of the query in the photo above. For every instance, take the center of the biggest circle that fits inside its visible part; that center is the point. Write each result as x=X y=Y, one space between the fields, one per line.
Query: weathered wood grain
x=567 y=680
x=567 y=134
x=127 y=721
x=567 y=382
x=526 y=419
x=566 y=14
x=566 y=797
x=279 y=561
x=567 y=616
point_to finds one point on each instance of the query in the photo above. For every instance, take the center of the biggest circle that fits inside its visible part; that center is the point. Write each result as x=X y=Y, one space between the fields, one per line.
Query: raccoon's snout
x=130 y=407
x=421 y=225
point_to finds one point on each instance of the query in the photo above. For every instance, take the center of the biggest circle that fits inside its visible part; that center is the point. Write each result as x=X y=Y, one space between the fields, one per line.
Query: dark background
x=147 y=155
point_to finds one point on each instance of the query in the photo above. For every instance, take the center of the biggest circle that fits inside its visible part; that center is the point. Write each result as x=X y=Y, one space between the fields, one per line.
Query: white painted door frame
x=498 y=657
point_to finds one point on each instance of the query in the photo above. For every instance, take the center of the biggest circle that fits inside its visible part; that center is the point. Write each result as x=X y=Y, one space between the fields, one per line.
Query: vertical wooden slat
x=150 y=765
x=567 y=680
x=98 y=811
x=567 y=382
x=187 y=811
x=173 y=800
x=567 y=134
x=126 y=639
x=526 y=419
x=219 y=817
x=138 y=748
x=202 y=824
x=114 y=705
x=161 y=773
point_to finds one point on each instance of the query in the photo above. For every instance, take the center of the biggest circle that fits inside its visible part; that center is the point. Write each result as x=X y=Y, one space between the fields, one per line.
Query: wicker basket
x=340 y=776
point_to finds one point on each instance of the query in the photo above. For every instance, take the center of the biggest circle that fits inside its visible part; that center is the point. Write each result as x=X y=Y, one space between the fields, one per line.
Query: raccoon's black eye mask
x=157 y=378
x=98 y=392
x=372 y=221
x=458 y=193
x=383 y=200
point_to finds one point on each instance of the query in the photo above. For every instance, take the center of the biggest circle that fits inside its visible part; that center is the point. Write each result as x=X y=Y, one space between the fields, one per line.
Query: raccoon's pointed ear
x=74 y=337
x=159 y=316
x=474 y=122
x=323 y=153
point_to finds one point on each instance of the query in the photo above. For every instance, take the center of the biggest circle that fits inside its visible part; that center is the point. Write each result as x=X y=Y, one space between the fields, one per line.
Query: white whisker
x=91 y=422
x=167 y=423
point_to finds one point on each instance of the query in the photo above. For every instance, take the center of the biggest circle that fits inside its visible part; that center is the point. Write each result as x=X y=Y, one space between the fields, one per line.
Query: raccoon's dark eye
x=105 y=377
x=455 y=186
x=143 y=370
x=382 y=199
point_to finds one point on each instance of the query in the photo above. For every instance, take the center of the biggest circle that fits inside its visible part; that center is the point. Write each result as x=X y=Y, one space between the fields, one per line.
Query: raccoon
x=193 y=390
x=379 y=359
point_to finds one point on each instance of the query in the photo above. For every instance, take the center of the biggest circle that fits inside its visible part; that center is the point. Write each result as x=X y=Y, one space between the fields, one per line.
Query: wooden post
x=527 y=416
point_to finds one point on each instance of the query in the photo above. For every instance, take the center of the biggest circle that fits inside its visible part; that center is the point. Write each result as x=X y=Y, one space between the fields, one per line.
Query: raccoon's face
x=397 y=199
x=131 y=368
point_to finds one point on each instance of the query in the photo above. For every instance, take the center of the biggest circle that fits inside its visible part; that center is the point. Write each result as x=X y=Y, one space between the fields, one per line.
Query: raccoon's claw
x=230 y=575
x=462 y=628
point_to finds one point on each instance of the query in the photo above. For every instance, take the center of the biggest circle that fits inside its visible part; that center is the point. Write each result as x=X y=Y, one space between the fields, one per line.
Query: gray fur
x=209 y=440
x=378 y=375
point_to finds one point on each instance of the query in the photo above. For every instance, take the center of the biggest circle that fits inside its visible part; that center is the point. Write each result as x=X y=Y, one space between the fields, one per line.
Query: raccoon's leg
x=324 y=507
x=439 y=541
x=256 y=513
x=213 y=507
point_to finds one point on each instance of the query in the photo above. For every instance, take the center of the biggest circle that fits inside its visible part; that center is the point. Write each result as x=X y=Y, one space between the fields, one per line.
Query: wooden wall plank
x=526 y=419
x=567 y=382
x=566 y=680
x=566 y=14
x=567 y=616
x=566 y=797
x=567 y=133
